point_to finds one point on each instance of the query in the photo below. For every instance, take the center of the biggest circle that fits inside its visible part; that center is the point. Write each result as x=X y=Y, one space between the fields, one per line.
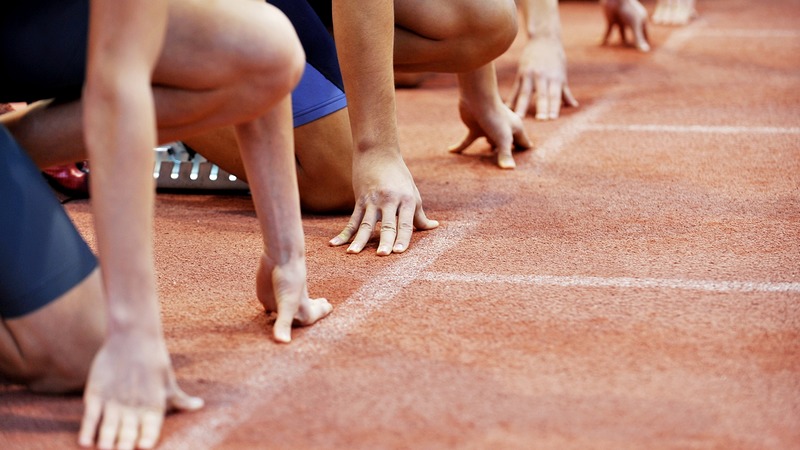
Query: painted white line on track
x=269 y=378
x=748 y=33
x=579 y=122
x=623 y=282
x=706 y=129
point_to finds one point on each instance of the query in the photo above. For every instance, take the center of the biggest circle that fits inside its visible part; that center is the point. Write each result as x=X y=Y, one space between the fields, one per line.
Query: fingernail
x=383 y=250
x=399 y=248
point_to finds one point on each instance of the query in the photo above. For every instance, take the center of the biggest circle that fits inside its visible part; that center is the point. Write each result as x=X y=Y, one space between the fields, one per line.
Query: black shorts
x=42 y=256
x=43 y=55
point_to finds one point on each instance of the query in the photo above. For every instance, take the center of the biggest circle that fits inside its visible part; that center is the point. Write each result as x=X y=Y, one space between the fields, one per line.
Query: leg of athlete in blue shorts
x=323 y=144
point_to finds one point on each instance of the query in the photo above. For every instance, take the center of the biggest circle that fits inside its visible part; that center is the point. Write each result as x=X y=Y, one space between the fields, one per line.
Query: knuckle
x=350 y=228
x=366 y=226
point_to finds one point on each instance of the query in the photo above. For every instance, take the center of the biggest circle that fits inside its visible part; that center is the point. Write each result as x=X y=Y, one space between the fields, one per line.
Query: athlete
x=351 y=157
x=127 y=84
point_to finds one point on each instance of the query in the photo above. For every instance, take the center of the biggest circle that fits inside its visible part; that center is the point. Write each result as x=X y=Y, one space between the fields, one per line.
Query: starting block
x=179 y=168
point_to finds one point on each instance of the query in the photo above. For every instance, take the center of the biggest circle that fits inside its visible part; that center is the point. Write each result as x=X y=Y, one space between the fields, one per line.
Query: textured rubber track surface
x=635 y=283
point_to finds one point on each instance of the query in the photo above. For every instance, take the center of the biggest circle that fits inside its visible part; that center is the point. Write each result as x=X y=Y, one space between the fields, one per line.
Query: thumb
x=466 y=142
x=178 y=400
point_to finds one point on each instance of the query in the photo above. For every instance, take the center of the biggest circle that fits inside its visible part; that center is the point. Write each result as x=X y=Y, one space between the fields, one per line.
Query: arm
x=542 y=66
x=131 y=381
x=267 y=148
x=383 y=185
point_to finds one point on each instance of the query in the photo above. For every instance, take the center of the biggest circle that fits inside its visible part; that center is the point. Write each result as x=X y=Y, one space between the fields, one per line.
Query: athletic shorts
x=43 y=55
x=42 y=256
x=321 y=90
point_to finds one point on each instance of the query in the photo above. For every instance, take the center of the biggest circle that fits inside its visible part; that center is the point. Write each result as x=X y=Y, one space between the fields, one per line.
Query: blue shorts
x=321 y=90
x=42 y=256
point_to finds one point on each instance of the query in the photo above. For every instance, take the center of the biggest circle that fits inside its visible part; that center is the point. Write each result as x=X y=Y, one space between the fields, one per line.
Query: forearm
x=479 y=87
x=267 y=150
x=120 y=133
x=541 y=18
x=364 y=34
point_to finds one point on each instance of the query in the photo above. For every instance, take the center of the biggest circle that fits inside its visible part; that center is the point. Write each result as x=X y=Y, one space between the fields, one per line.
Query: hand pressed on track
x=130 y=388
x=542 y=70
x=385 y=192
x=283 y=289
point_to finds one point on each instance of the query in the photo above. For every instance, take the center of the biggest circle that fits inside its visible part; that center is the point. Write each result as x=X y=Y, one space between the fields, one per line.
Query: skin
x=148 y=83
x=542 y=68
x=625 y=14
x=674 y=12
x=373 y=40
x=357 y=163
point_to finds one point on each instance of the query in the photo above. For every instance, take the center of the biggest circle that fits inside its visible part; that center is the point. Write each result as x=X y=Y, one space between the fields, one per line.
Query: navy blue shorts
x=43 y=55
x=42 y=256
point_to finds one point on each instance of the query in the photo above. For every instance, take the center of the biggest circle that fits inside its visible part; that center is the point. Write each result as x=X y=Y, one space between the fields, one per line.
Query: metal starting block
x=177 y=167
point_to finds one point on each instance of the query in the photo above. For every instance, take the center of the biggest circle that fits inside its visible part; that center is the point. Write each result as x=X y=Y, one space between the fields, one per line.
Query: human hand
x=498 y=124
x=385 y=192
x=283 y=289
x=627 y=14
x=674 y=12
x=131 y=386
x=542 y=69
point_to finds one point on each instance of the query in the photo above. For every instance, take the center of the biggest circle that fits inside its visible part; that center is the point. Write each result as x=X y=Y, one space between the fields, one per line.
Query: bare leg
x=201 y=82
x=51 y=349
x=323 y=156
x=451 y=36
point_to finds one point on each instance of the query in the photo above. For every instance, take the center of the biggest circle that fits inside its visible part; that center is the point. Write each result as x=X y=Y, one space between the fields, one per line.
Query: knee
x=269 y=58
x=492 y=27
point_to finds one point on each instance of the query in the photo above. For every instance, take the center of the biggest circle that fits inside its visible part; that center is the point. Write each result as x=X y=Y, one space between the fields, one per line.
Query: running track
x=635 y=283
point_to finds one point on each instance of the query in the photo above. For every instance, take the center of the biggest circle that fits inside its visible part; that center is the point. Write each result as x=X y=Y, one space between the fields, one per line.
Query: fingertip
x=456 y=148
x=399 y=248
x=506 y=162
x=282 y=336
x=192 y=403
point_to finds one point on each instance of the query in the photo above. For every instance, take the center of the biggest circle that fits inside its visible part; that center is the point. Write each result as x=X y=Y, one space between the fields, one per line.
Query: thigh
x=51 y=349
x=50 y=298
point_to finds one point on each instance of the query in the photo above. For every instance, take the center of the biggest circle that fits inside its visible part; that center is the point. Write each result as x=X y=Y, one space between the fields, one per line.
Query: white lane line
x=706 y=129
x=579 y=122
x=748 y=33
x=623 y=282
x=576 y=125
x=264 y=379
